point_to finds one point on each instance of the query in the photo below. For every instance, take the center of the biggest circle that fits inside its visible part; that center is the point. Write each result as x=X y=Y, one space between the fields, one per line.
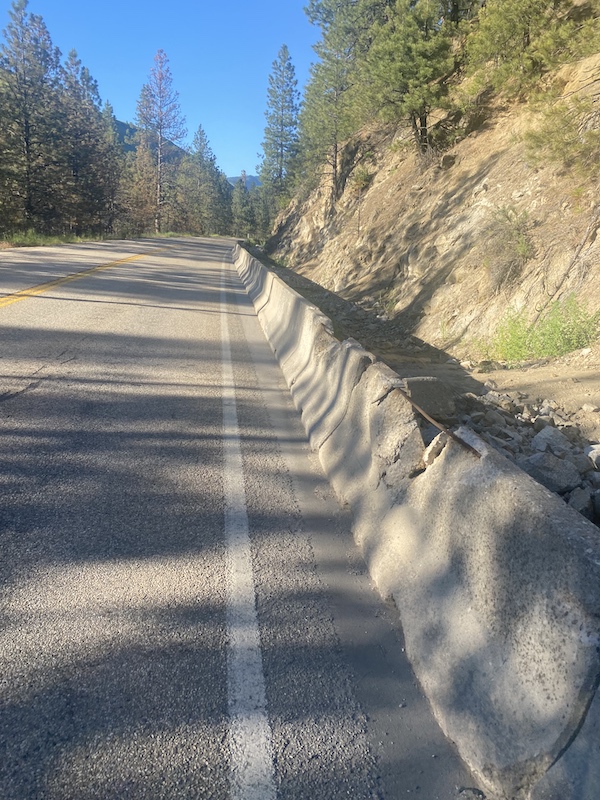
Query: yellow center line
x=45 y=287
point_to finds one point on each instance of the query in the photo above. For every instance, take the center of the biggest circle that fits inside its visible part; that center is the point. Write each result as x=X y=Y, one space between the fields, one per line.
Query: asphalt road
x=182 y=611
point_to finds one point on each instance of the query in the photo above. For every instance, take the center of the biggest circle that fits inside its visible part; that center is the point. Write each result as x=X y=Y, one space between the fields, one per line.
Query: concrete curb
x=496 y=580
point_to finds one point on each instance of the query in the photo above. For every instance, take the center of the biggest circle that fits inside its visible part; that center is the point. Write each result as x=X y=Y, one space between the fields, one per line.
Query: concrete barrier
x=496 y=580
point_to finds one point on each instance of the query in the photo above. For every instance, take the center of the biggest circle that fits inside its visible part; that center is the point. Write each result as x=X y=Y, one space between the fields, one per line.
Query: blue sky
x=220 y=55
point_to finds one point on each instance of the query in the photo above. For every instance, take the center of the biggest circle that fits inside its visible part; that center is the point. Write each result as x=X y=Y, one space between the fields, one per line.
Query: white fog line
x=251 y=750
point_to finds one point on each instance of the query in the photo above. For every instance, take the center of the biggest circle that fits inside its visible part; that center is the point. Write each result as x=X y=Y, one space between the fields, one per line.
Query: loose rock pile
x=542 y=440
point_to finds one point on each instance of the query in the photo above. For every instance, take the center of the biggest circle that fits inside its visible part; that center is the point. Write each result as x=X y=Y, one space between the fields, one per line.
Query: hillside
x=250 y=180
x=440 y=254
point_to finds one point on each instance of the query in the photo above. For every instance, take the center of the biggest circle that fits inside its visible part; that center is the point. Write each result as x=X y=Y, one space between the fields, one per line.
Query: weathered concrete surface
x=499 y=599
x=577 y=773
x=496 y=580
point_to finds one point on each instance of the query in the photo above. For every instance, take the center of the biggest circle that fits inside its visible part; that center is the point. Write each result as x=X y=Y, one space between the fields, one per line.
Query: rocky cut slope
x=446 y=247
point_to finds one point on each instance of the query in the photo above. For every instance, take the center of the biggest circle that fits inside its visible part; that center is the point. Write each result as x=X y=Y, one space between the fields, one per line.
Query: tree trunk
x=159 y=187
x=420 y=131
x=334 y=172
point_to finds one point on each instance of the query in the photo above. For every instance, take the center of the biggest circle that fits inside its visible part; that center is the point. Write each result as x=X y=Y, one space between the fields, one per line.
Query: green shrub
x=512 y=341
x=569 y=135
x=511 y=246
x=566 y=326
x=361 y=179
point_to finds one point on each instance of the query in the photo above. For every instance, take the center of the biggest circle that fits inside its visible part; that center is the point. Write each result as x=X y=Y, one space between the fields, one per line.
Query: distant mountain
x=251 y=181
x=126 y=133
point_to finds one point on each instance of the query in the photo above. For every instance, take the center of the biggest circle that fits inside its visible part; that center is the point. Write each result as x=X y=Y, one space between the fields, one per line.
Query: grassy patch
x=510 y=247
x=566 y=326
x=175 y=235
x=33 y=239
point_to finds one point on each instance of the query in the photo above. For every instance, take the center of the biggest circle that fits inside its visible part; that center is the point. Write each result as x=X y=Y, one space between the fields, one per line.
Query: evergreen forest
x=66 y=167
x=396 y=62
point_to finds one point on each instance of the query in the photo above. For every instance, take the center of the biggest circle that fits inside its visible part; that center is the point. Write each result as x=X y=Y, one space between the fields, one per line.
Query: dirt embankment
x=444 y=248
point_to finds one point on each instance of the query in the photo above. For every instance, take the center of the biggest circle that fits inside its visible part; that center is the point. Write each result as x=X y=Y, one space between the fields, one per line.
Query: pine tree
x=281 y=132
x=114 y=172
x=410 y=54
x=518 y=39
x=225 y=200
x=326 y=117
x=330 y=111
x=10 y=216
x=140 y=189
x=161 y=126
x=208 y=197
x=261 y=203
x=241 y=209
x=188 y=215
x=86 y=151
x=202 y=207
x=30 y=112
